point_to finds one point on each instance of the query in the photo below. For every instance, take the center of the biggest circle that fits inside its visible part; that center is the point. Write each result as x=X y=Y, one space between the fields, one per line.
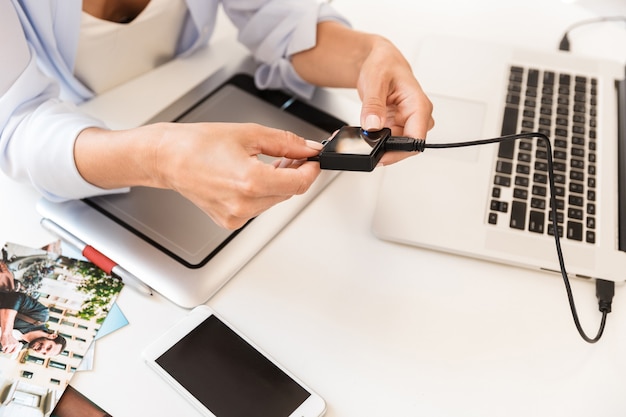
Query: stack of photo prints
x=52 y=307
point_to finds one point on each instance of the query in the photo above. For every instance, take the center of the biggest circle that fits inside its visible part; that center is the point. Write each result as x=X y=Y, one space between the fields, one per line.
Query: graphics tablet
x=164 y=239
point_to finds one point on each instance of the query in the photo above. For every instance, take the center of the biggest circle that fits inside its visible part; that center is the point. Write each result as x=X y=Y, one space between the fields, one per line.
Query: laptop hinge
x=621 y=163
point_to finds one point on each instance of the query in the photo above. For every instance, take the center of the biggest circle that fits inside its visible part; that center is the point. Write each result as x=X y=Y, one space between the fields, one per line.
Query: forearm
x=7 y=320
x=116 y=159
x=337 y=57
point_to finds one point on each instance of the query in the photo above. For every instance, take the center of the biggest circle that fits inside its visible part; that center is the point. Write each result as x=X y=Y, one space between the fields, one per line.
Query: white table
x=380 y=329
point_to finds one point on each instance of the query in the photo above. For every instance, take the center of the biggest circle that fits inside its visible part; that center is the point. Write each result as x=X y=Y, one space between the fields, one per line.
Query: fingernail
x=372 y=122
x=314 y=145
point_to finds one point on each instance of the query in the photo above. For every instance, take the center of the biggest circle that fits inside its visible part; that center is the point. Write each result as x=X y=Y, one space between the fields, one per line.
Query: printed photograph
x=51 y=308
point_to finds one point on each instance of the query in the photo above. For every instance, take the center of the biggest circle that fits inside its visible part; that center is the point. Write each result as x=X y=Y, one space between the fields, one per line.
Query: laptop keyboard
x=563 y=107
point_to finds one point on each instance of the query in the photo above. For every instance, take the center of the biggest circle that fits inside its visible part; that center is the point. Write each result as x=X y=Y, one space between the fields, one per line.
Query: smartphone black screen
x=229 y=376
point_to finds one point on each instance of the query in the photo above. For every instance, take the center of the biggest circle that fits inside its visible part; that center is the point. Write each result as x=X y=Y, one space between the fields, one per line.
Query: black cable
x=604 y=289
x=564 y=45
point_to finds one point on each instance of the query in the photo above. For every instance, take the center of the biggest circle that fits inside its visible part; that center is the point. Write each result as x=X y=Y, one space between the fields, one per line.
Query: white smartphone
x=224 y=374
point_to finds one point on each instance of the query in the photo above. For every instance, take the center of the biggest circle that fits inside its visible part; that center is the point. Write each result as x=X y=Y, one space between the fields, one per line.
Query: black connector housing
x=605 y=290
x=353 y=149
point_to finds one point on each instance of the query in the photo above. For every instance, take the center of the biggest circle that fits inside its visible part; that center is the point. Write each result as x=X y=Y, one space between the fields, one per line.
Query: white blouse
x=111 y=53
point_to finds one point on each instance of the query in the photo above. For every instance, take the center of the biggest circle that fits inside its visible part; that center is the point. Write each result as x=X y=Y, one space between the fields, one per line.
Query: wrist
x=115 y=159
x=337 y=57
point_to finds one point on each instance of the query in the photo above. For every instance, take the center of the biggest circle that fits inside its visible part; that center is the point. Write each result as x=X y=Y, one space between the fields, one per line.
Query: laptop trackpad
x=456 y=120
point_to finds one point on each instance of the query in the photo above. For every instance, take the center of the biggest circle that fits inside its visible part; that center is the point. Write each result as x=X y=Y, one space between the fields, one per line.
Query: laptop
x=165 y=240
x=491 y=201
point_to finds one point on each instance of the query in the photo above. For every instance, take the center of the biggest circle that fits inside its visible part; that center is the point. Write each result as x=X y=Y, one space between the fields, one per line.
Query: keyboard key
x=538 y=203
x=518 y=215
x=539 y=190
x=577 y=163
x=509 y=127
x=521 y=181
x=520 y=193
x=577 y=175
x=575 y=214
x=512 y=98
x=560 y=143
x=548 y=78
x=591 y=182
x=504 y=167
x=577 y=201
x=502 y=181
x=522 y=169
x=540 y=178
x=560 y=204
x=575 y=230
x=591 y=209
x=577 y=188
x=591 y=222
x=590 y=236
x=524 y=157
x=561 y=132
x=501 y=206
x=560 y=217
x=591 y=195
x=525 y=145
x=533 y=78
x=536 y=221
x=551 y=230
x=516 y=74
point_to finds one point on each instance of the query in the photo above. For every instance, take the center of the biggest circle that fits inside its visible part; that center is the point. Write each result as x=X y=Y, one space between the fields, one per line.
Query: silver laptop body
x=482 y=201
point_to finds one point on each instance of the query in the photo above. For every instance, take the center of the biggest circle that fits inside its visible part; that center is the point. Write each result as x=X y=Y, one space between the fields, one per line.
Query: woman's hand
x=391 y=95
x=8 y=342
x=214 y=165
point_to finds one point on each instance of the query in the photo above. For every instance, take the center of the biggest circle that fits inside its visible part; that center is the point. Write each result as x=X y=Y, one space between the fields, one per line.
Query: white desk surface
x=380 y=329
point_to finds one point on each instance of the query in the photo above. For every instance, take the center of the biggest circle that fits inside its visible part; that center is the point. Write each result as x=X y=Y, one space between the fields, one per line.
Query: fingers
x=268 y=186
x=374 y=107
x=282 y=143
x=414 y=114
x=392 y=97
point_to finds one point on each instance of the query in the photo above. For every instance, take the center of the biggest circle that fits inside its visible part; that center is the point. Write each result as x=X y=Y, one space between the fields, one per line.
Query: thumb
x=374 y=108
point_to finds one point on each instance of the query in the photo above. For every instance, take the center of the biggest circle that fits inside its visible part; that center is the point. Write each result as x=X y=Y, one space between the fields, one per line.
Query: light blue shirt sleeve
x=39 y=117
x=38 y=125
x=275 y=30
